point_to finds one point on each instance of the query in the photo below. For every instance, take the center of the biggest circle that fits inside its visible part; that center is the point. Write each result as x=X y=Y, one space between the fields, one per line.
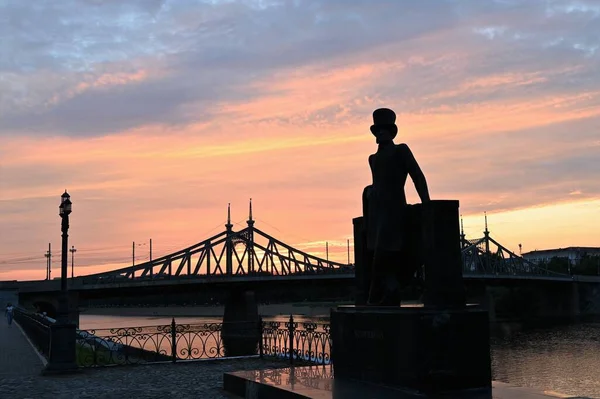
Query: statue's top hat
x=384 y=118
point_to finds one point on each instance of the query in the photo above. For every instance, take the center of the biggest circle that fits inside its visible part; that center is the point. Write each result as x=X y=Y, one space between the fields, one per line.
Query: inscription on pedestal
x=366 y=334
x=412 y=347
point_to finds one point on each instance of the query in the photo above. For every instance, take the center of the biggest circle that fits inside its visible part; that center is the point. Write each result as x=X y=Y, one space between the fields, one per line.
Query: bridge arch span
x=42 y=306
x=39 y=304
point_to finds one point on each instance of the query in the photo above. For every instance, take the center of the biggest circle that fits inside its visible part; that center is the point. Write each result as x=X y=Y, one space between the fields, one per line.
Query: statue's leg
x=368 y=274
x=377 y=275
x=392 y=295
x=409 y=266
x=384 y=282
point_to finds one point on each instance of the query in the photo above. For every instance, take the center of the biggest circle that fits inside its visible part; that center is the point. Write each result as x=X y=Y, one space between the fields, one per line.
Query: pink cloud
x=500 y=123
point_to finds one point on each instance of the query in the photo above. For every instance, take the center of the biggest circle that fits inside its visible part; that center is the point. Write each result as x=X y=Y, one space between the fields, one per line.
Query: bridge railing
x=305 y=342
x=36 y=327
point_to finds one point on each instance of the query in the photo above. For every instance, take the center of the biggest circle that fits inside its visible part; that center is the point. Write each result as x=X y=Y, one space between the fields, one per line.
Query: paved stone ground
x=17 y=356
x=203 y=379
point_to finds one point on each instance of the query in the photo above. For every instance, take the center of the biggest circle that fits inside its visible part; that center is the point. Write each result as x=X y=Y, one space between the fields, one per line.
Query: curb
x=37 y=352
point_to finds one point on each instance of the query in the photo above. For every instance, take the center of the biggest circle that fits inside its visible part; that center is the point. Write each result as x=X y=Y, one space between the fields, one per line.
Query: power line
x=291 y=234
x=98 y=255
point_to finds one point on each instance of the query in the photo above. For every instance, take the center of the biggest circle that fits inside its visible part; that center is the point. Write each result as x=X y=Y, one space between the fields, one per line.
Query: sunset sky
x=155 y=114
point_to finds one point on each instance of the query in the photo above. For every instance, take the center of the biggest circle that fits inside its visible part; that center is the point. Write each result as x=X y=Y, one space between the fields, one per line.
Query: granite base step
x=318 y=382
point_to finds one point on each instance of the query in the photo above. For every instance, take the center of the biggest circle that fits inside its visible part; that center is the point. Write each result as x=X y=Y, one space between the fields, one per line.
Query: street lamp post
x=62 y=333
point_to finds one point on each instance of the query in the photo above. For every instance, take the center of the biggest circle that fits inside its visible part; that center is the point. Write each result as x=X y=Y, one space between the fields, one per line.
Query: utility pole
x=48 y=256
x=348 y=245
x=151 y=250
x=72 y=250
x=133 y=254
x=49 y=261
x=327 y=250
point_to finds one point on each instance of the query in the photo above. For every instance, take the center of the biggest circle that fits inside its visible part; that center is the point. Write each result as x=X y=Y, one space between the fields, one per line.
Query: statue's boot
x=392 y=295
x=385 y=293
x=376 y=293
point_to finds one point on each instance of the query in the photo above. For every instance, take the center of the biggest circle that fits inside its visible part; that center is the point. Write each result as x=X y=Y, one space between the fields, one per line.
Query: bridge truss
x=486 y=257
x=249 y=251
x=252 y=252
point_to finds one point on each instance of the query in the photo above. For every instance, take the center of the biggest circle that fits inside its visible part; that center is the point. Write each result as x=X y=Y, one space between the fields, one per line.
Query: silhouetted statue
x=388 y=218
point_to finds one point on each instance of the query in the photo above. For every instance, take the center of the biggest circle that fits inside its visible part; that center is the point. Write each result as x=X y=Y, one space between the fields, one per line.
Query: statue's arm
x=415 y=172
x=367 y=193
x=365 y=201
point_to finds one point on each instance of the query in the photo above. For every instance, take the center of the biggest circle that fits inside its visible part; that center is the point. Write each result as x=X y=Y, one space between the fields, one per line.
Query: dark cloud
x=209 y=51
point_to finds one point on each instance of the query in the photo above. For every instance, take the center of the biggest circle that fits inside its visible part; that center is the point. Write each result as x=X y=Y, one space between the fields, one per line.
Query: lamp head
x=65 y=206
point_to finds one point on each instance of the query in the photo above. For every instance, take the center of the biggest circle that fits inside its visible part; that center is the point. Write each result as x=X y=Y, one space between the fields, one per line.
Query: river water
x=563 y=359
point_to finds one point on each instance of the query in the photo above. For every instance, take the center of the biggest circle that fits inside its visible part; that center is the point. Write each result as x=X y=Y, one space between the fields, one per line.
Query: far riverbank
x=308 y=309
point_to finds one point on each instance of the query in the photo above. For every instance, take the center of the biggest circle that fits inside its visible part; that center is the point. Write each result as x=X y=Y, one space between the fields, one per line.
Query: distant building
x=573 y=254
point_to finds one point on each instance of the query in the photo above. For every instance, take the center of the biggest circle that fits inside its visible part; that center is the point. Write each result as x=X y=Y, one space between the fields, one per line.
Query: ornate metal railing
x=173 y=342
x=36 y=327
x=308 y=342
x=305 y=341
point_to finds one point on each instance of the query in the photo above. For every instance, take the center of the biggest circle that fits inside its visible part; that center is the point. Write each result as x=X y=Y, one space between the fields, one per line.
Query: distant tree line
x=588 y=265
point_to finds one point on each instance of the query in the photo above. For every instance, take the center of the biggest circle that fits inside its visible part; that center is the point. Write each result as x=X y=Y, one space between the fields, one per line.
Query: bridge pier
x=488 y=303
x=240 y=332
x=47 y=302
x=559 y=302
x=529 y=302
x=575 y=301
x=589 y=299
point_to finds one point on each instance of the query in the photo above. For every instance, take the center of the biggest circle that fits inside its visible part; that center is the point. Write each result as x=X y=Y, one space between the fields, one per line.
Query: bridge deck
x=17 y=356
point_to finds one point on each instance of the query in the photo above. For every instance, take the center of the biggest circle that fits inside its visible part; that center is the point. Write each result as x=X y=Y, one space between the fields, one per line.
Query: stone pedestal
x=62 y=356
x=362 y=262
x=432 y=235
x=440 y=346
x=430 y=350
x=73 y=305
x=440 y=242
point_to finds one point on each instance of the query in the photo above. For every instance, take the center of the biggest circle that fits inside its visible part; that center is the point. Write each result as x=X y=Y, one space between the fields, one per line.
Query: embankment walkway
x=17 y=356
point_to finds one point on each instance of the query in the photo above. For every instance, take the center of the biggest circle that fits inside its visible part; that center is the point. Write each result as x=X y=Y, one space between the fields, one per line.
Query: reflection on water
x=564 y=359
x=94 y=322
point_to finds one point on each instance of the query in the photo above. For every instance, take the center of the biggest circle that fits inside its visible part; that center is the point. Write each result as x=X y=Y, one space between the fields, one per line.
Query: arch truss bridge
x=249 y=252
x=486 y=257
x=252 y=252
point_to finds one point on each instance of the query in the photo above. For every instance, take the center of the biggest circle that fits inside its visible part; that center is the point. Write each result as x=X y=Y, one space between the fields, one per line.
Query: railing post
x=261 y=336
x=174 y=340
x=328 y=331
x=95 y=353
x=291 y=335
